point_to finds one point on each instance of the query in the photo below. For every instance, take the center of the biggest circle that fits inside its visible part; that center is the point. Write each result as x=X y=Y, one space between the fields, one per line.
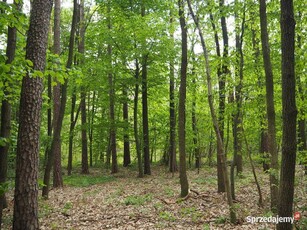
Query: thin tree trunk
x=26 y=181
x=81 y=50
x=145 y=108
x=91 y=129
x=73 y=121
x=222 y=156
x=127 y=157
x=172 y=112
x=58 y=107
x=135 y=120
x=260 y=201
x=6 y=110
x=289 y=114
x=182 y=101
x=270 y=106
x=112 y=108
x=84 y=159
x=238 y=117
x=58 y=125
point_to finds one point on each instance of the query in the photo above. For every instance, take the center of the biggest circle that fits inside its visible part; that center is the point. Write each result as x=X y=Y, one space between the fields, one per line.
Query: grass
x=137 y=199
x=86 y=180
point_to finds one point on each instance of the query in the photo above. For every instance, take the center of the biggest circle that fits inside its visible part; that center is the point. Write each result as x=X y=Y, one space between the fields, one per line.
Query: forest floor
x=123 y=201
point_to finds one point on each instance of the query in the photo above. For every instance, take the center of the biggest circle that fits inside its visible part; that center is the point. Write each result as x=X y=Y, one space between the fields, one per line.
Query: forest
x=153 y=114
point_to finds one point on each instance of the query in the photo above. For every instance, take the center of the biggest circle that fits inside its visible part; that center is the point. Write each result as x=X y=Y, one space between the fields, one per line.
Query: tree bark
x=26 y=180
x=55 y=145
x=222 y=156
x=127 y=157
x=5 y=129
x=222 y=92
x=182 y=100
x=135 y=119
x=73 y=121
x=269 y=106
x=114 y=168
x=172 y=112
x=58 y=107
x=81 y=50
x=289 y=114
x=145 y=117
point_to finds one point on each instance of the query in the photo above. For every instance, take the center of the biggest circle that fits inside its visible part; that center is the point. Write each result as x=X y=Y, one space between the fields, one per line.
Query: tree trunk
x=112 y=107
x=172 y=114
x=81 y=50
x=5 y=129
x=91 y=128
x=55 y=145
x=127 y=158
x=222 y=92
x=145 y=118
x=73 y=121
x=26 y=180
x=145 y=108
x=222 y=156
x=58 y=107
x=182 y=100
x=289 y=114
x=84 y=160
x=238 y=116
x=270 y=106
x=135 y=120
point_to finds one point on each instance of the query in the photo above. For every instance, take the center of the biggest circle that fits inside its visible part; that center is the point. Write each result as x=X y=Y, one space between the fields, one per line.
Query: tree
x=112 y=102
x=216 y=127
x=172 y=111
x=59 y=103
x=135 y=119
x=81 y=50
x=145 y=106
x=5 y=129
x=182 y=100
x=127 y=157
x=289 y=113
x=26 y=184
x=269 y=105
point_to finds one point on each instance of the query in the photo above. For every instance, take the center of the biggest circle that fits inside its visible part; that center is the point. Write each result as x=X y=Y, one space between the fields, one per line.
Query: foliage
x=138 y=200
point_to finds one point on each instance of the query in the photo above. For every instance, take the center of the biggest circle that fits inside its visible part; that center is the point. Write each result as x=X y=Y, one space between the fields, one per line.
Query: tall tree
x=289 y=113
x=81 y=50
x=221 y=155
x=182 y=101
x=112 y=102
x=145 y=107
x=5 y=129
x=135 y=119
x=58 y=114
x=172 y=111
x=26 y=180
x=58 y=125
x=270 y=107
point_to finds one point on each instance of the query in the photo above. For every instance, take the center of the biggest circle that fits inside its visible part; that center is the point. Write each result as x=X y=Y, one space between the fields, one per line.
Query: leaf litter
x=153 y=202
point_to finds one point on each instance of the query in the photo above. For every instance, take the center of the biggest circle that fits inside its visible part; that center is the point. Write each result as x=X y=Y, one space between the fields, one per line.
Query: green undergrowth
x=78 y=180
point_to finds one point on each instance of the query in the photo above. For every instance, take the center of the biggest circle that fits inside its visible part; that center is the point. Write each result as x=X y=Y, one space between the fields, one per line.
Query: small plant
x=206 y=227
x=66 y=208
x=169 y=192
x=221 y=220
x=167 y=216
x=187 y=210
x=137 y=200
